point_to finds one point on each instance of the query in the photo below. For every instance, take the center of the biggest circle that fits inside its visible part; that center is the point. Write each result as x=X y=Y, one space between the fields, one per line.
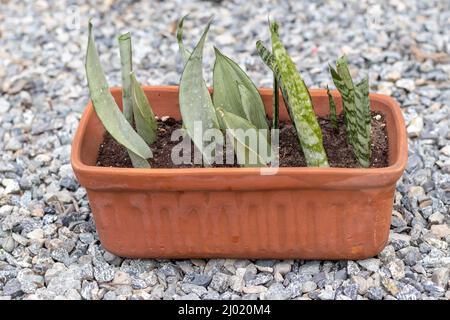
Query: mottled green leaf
x=297 y=99
x=144 y=117
x=332 y=104
x=106 y=108
x=362 y=89
x=364 y=127
x=229 y=97
x=355 y=100
x=267 y=57
x=196 y=105
x=248 y=152
x=347 y=101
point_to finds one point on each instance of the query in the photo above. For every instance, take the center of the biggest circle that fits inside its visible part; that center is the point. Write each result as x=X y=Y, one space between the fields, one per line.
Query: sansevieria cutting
x=355 y=100
x=297 y=99
x=118 y=124
x=236 y=103
x=332 y=104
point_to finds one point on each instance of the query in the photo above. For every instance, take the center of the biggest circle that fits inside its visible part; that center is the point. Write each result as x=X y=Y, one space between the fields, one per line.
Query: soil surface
x=339 y=152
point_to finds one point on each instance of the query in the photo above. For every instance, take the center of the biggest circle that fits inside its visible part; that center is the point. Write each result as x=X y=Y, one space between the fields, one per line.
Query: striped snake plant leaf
x=297 y=100
x=105 y=106
x=269 y=59
x=356 y=103
x=332 y=104
x=229 y=97
x=364 y=122
x=348 y=102
x=362 y=90
x=185 y=53
x=144 y=117
x=343 y=81
x=127 y=102
x=247 y=151
x=196 y=106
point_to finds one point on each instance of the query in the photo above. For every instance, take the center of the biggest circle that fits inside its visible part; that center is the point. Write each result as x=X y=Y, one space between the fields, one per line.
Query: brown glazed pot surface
x=306 y=213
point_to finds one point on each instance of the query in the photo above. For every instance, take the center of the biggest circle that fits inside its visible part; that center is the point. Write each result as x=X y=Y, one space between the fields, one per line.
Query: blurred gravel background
x=48 y=244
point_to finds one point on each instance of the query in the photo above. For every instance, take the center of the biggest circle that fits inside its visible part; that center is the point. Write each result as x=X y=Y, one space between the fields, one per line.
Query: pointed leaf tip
x=196 y=105
x=297 y=100
x=124 y=36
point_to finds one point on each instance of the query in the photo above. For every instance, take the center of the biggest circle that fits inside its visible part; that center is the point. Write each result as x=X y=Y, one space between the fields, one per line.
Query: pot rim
x=395 y=169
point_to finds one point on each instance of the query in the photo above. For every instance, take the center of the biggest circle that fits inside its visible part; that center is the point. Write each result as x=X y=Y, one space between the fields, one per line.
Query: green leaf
x=344 y=84
x=126 y=67
x=362 y=90
x=137 y=161
x=256 y=115
x=297 y=99
x=364 y=127
x=226 y=94
x=267 y=57
x=144 y=117
x=333 y=117
x=196 y=106
x=275 y=103
x=246 y=152
x=356 y=103
x=229 y=97
x=347 y=100
x=276 y=85
x=184 y=52
x=105 y=106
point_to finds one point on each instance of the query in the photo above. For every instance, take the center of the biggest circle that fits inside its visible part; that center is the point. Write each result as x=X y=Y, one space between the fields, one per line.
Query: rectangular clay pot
x=306 y=213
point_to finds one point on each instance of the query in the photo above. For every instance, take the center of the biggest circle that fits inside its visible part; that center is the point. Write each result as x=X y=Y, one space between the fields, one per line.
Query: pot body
x=304 y=213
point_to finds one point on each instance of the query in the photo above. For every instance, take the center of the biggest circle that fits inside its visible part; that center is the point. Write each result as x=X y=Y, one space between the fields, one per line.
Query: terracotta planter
x=306 y=213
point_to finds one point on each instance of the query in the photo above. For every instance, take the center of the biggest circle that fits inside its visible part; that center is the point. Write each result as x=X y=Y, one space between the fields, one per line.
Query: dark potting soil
x=339 y=152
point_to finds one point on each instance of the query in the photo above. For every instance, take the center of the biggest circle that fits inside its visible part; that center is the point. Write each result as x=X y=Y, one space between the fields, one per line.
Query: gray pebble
x=103 y=273
x=12 y=288
x=278 y=292
x=220 y=282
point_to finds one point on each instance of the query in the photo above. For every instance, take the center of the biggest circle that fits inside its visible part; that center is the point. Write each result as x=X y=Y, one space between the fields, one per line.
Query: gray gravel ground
x=48 y=244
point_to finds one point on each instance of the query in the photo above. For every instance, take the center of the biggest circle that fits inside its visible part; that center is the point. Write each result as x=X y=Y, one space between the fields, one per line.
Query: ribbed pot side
x=305 y=213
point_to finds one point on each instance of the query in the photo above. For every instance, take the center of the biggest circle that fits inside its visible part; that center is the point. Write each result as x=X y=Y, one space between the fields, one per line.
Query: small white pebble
x=163 y=119
x=377 y=117
x=446 y=150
